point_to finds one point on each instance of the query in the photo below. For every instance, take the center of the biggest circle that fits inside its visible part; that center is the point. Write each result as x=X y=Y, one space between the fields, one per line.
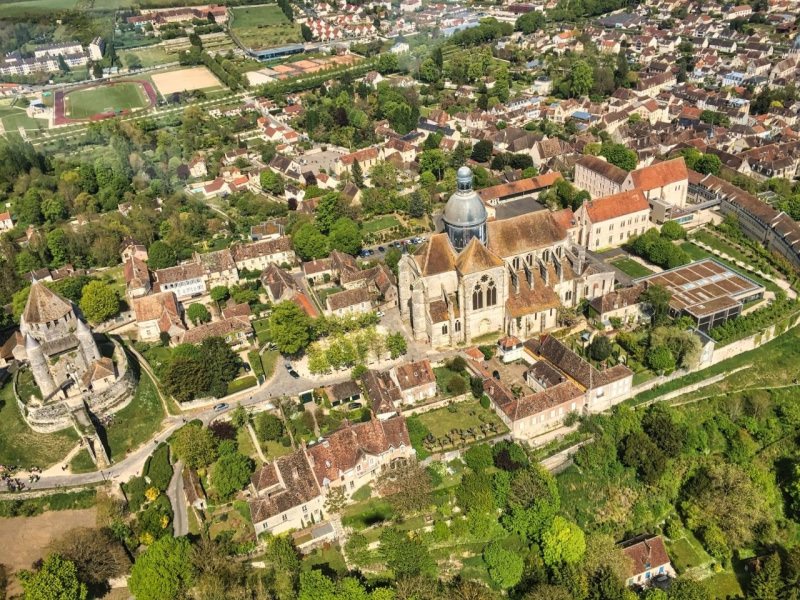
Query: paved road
x=177 y=497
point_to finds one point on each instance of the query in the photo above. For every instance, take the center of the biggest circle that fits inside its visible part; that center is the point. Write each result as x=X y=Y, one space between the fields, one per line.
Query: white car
x=380 y=314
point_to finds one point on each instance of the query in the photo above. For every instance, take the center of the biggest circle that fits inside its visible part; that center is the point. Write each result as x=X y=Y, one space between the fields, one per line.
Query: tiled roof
x=382 y=391
x=645 y=554
x=617 y=299
x=341 y=451
x=150 y=308
x=179 y=273
x=99 y=369
x=475 y=258
x=217 y=329
x=347 y=298
x=220 y=260
x=532 y=404
x=529 y=300
x=616 y=205
x=522 y=186
x=604 y=168
x=44 y=305
x=524 y=233
x=660 y=174
x=296 y=486
x=415 y=374
x=263 y=248
x=436 y=255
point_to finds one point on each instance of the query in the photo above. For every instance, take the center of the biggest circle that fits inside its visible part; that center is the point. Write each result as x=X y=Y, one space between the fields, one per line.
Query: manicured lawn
x=443 y=378
x=364 y=514
x=14 y=117
x=720 y=245
x=463 y=416
x=82 y=104
x=264 y=26
x=385 y=222
x=149 y=56
x=19 y=445
x=684 y=554
x=245 y=443
x=631 y=268
x=642 y=376
x=137 y=422
x=243 y=383
x=17 y=9
x=261 y=327
x=273 y=449
x=724 y=585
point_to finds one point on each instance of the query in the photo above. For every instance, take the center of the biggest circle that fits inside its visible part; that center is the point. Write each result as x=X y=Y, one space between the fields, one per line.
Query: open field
x=381 y=223
x=264 y=27
x=25 y=538
x=19 y=445
x=195 y=78
x=149 y=56
x=29 y=7
x=83 y=104
x=14 y=117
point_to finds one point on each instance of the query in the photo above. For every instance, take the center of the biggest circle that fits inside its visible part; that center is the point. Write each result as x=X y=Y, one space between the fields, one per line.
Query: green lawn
x=243 y=383
x=272 y=449
x=264 y=26
x=149 y=56
x=19 y=445
x=137 y=422
x=724 y=585
x=28 y=7
x=82 y=104
x=720 y=245
x=82 y=463
x=462 y=415
x=326 y=559
x=245 y=443
x=269 y=358
x=385 y=222
x=325 y=292
x=261 y=327
x=632 y=268
x=443 y=378
x=14 y=117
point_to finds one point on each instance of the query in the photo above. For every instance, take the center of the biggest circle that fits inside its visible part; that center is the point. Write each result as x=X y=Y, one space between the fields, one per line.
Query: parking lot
x=378 y=250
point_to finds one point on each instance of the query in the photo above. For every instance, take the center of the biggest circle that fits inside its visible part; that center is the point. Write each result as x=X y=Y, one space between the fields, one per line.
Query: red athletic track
x=60 y=117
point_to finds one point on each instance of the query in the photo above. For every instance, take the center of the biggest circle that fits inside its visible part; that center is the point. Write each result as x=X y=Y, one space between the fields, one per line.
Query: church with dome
x=480 y=276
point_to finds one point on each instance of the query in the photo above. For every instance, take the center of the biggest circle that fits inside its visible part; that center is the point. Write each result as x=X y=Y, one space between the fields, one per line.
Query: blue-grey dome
x=464 y=214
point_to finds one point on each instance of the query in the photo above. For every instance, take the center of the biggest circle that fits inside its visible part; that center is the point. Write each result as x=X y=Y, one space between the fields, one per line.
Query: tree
x=673 y=231
x=345 y=236
x=660 y=359
x=479 y=457
x=433 y=161
x=607 y=585
x=269 y=427
x=57 y=246
x=639 y=451
x=160 y=255
x=231 y=473
x=57 y=579
x=417 y=205
x=336 y=500
x=220 y=293
x=405 y=556
x=708 y=164
x=396 y=344
x=657 y=297
x=408 y=487
x=198 y=313
x=688 y=589
x=563 y=542
x=600 y=348
x=475 y=493
x=309 y=242
x=357 y=174
x=186 y=377
x=195 y=446
x=290 y=328
x=223 y=364
x=329 y=210
x=505 y=566
x=272 y=182
x=619 y=155
x=306 y=32
x=582 y=79
x=97 y=556
x=99 y=302
x=482 y=151
x=530 y=22
x=164 y=570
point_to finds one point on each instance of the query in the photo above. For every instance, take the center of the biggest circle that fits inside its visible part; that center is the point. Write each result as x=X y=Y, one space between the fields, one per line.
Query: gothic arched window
x=457 y=326
x=477 y=297
x=491 y=294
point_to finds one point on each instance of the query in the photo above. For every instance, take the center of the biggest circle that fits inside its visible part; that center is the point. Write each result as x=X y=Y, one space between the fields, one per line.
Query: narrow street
x=177 y=498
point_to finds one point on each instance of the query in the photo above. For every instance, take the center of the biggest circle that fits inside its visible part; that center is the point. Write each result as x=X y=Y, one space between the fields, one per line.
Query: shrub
x=457 y=385
x=158 y=468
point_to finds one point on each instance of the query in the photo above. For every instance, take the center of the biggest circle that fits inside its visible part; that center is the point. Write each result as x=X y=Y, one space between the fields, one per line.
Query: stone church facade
x=480 y=276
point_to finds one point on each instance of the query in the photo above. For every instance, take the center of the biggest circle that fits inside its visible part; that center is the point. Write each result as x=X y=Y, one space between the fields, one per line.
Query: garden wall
x=418 y=410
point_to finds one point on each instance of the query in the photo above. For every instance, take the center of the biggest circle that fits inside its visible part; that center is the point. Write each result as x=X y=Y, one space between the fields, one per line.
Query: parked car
x=220 y=406
x=246 y=367
x=381 y=249
x=294 y=373
x=288 y=366
x=380 y=313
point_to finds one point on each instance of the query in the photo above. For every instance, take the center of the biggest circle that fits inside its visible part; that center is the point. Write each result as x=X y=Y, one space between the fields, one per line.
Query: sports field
x=85 y=103
x=194 y=78
x=264 y=27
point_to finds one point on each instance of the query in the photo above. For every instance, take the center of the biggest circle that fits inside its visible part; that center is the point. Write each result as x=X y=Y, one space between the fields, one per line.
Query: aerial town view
x=400 y=300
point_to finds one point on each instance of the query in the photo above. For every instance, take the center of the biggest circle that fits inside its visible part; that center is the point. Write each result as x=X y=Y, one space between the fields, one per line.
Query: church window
x=515 y=263
x=568 y=295
x=444 y=329
x=491 y=294
x=477 y=297
x=457 y=326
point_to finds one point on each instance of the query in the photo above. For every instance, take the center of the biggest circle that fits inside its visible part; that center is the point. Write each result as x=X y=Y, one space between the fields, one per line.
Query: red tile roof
x=660 y=174
x=616 y=205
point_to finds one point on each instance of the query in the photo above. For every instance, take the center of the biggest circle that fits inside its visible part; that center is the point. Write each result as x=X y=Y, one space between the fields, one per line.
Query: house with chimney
x=156 y=314
x=598 y=176
x=415 y=380
x=647 y=559
x=611 y=221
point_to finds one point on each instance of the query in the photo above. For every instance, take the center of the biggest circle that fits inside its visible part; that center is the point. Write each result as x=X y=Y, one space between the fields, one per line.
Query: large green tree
x=290 y=328
x=231 y=473
x=163 y=571
x=345 y=236
x=563 y=542
x=56 y=579
x=160 y=255
x=505 y=567
x=99 y=302
x=309 y=242
x=195 y=445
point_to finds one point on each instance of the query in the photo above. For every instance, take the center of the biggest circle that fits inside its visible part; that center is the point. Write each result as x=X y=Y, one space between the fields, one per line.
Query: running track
x=60 y=117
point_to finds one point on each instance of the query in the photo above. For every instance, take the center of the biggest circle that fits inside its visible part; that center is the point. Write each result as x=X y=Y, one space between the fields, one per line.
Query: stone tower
x=39 y=369
x=465 y=215
x=86 y=340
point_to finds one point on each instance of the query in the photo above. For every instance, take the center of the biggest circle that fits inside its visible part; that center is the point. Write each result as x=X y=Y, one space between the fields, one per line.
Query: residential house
x=6 y=223
x=349 y=302
x=258 y=255
x=185 y=280
x=198 y=168
x=137 y=278
x=156 y=314
x=219 y=267
x=664 y=184
x=416 y=381
x=624 y=304
x=236 y=331
x=647 y=559
x=343 y=393
x=382 y=393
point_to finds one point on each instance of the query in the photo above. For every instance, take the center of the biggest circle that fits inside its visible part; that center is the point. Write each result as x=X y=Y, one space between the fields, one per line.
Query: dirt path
x=25 y=538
